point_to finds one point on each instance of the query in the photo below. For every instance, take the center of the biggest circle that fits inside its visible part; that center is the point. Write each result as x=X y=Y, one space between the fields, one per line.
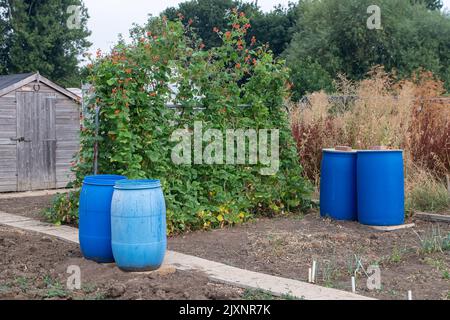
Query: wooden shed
x=39 y=133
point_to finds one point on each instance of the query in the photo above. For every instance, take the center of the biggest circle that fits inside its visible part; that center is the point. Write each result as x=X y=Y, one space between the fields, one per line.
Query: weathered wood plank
x=432 y=217
x=25 y=104
x=11 y=127
x=4 y=181
x=8 y=134
x=393 y=228
x=8 y=100
x=6 y=165
x=9 y=188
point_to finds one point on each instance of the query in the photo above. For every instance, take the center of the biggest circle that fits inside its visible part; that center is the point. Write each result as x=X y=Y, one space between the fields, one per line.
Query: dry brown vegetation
x=410 y=115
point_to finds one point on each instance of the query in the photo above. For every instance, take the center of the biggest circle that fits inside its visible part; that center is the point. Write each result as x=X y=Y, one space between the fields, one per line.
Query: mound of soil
x=33 y=266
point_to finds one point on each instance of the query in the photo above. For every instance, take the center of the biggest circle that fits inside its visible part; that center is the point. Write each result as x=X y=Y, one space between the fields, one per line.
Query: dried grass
x=403 y=115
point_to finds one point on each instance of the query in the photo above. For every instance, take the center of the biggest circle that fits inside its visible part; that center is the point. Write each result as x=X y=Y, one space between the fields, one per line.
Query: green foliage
x=64 y=209
x=430 y=4
x=332 y=38
x=54 y=288
x=309 y=75
x=275 y=28
x=132 y=88
x=434 y=241
x=258 y=294
x=252 y=294
x=35 y=37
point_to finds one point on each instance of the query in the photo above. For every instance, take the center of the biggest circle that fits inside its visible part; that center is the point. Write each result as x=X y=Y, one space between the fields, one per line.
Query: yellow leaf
x=220 y=217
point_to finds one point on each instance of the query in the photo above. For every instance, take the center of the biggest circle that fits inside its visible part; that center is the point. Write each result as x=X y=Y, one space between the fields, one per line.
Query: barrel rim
x=103 y=179
x=137 y=184
x=332 y=150
x=380 y=151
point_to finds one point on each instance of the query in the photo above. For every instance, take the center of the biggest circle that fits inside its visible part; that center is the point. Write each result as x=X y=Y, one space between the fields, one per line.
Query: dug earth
x=33 y=266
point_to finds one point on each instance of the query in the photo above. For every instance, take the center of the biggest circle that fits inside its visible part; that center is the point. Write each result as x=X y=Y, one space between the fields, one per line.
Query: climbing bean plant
x=235 y=86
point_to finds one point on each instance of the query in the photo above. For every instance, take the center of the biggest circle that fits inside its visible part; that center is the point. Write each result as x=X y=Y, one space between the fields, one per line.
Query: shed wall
x=67 y=135
x=8 y=148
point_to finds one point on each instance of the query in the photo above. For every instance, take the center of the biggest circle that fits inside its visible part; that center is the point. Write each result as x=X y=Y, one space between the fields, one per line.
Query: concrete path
x=40 y=193
x=216 y=271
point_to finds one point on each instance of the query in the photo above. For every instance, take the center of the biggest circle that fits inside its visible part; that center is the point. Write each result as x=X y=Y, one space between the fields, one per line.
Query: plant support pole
x=448 y=184
x=97 y=111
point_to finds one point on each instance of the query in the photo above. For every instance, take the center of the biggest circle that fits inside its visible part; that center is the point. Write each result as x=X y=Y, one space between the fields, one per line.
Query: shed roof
x=13 y=82
x=6 y=81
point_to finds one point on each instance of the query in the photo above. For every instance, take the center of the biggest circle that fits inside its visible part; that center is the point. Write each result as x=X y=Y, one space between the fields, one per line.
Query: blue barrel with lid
x=138 y=225
x=338 y=184
x=381 y=197
x=95 y=217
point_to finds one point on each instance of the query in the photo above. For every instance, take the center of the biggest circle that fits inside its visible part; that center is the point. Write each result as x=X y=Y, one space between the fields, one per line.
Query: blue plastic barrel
x=95 y=217
x=138 y=225
x=338 y=185
x=381 y=198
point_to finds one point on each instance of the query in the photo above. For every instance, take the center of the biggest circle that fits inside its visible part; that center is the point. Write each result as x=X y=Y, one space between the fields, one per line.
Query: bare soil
x=33 y=266
x=286 y=246
x=31 y=207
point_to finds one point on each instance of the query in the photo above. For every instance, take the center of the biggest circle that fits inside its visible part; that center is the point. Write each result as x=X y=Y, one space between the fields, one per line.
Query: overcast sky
x=108 y=18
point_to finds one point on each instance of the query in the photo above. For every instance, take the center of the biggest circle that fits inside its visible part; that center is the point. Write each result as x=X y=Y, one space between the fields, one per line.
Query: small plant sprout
x=433 y=241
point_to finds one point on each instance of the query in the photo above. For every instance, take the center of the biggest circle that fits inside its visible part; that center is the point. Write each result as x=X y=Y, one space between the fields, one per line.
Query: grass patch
x=23 y=283
x=330 y=272
x=440 y=266
x=426 y=193
x=54 y=289
x=258 y=294
x=396 y=255
x=433 y=241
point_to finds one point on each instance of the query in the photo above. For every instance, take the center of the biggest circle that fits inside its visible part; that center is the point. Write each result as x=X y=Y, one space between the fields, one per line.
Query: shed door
x=36 y=141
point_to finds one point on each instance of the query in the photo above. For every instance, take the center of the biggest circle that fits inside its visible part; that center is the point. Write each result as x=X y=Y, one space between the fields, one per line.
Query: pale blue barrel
x=95 y=217
x=381 y=197
x=338 y=185
x=138 y=225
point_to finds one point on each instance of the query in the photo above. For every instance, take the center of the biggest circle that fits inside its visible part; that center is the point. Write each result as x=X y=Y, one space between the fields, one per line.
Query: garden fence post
x=448 y=184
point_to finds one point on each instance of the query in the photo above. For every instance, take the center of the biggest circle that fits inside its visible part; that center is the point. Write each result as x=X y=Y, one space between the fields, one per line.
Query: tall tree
x=204 y=15
x=44 y=35
x=274 y=27
x=333 y=37
x=430 y=4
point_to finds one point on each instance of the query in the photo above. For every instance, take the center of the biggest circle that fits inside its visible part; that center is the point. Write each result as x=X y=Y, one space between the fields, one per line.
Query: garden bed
x=31 y=207
x=33 y=266
x=286 y=247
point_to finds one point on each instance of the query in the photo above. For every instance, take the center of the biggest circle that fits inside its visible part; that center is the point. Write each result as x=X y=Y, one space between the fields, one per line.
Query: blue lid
x=137 y=184
x=103 y=179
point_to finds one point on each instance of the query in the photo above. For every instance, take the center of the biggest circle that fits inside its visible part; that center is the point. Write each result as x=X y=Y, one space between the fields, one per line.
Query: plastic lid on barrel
x=103 y=179
x=380 y=149
x=137 y=184
x=340 y=149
